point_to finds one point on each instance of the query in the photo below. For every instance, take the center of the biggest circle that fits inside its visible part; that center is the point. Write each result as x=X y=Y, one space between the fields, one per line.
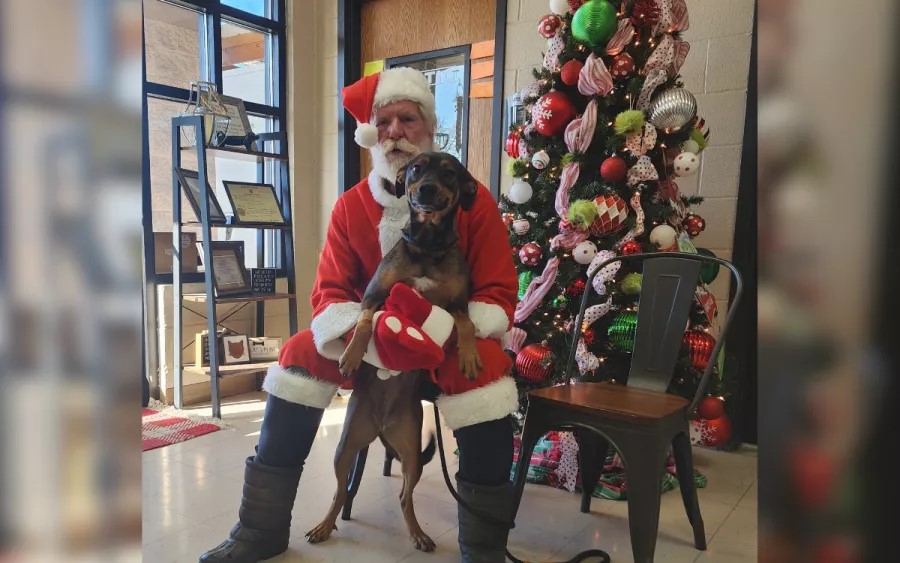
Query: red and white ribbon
x=639 y=215
x=654 y=78
x=514 y=339
x=587 y=362
x=641 y=142
x=594 y=312
x=642 y=171
x=669 y=55
x=621 y=38
x=568 y=237
x=566 y=180
x=567 y=470
x=594 y=77
x=537 y=290
x=607 y=273
x=555 y=46
x=580 y=131
x=673 y=17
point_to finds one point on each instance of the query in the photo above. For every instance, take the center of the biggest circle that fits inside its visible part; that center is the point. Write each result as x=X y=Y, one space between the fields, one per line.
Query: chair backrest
x=667 y=291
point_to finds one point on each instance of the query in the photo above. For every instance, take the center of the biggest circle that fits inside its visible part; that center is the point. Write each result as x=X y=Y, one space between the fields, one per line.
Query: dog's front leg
x=469 y=360
x=353 y=354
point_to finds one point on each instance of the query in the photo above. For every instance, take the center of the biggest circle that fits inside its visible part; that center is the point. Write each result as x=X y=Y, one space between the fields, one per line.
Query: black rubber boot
x=482 y=540
x=265 y=516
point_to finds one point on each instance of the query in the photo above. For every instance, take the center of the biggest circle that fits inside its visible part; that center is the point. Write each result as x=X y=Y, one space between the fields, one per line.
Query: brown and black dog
x=427 y=257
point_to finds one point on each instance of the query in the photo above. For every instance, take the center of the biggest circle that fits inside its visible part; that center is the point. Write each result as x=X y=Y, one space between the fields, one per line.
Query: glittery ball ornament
x=530 y=254
x=534 y=362
x=551 y=113
x=700 y=345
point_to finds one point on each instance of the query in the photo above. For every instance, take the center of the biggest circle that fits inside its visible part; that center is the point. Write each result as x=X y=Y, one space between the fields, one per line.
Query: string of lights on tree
x=609 y=130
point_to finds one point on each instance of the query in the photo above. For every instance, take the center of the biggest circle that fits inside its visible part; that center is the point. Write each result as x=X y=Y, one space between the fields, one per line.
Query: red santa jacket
x=366 y=223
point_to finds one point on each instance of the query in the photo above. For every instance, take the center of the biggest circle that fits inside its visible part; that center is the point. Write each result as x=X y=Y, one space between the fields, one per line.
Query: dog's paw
x=422 y=542
x=469 y=362
x=351 y=359
x=320 y=533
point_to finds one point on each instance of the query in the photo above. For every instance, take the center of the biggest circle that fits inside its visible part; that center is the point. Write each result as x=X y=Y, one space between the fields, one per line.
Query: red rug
x=162 y=427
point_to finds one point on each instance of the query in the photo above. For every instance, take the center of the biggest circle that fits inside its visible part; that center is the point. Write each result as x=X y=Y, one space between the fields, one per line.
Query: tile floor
x=192 y=490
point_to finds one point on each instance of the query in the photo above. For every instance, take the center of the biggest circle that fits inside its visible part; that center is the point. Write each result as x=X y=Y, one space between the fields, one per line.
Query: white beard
x=388 y=167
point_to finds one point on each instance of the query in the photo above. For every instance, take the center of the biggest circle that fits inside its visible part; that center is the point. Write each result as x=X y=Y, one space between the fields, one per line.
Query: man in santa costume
x=396 y=120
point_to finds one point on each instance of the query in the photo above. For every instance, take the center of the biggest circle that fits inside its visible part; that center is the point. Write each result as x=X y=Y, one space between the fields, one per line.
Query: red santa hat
x=362 y=98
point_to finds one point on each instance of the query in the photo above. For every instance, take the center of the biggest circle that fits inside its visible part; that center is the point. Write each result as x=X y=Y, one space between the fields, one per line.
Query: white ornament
x=690 y=146
x=520 y=192
x=559 y=7
x=664 y=237
x=521 y=226
x=686 y=164
x=584 y=252
x=540 y=160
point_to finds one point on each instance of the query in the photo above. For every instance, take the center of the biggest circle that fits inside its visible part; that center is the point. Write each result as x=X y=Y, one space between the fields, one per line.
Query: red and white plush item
x=368 y=94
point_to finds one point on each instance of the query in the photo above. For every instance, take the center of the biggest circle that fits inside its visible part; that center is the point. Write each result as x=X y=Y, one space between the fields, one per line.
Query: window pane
x=446 y=76
x=257 y=7
x=245 y=61
x=172 y=44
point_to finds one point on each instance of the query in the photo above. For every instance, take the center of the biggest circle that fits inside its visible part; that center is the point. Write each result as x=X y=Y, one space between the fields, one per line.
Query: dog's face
x=436 y=183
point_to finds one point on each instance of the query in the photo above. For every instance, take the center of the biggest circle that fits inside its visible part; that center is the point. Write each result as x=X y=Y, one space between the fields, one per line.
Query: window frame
x=211 y=15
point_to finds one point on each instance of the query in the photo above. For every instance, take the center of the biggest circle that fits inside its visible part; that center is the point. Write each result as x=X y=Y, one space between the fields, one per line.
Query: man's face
x=402 y=134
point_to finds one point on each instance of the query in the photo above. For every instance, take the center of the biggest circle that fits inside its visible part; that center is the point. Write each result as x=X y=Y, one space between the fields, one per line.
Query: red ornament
x=645 y=13
x=711 y=408
x=548 y=25
x=551 y=113
x=623 y=66
x=577 y=287
x=612 y=213
x=575 y=4
x=589 y=336
x=530 y=254
x=631 y=247
x=614 y=169
x=700 y=344
x=534 y=362
x=512 y=143
x=570 y=72
x=515 y=250
x=719 y=431
x=693 y=224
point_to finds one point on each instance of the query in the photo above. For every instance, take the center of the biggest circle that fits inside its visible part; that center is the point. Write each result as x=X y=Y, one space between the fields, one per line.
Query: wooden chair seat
x=618 y=402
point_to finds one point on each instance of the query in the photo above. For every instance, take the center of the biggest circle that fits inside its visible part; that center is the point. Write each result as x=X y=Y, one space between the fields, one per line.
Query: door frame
x=349 y=62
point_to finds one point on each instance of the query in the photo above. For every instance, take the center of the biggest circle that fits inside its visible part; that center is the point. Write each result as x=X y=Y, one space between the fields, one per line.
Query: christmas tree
x=609 y=130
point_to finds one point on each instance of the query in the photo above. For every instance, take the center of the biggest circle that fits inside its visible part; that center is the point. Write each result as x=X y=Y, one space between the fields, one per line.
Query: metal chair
x=639 y=419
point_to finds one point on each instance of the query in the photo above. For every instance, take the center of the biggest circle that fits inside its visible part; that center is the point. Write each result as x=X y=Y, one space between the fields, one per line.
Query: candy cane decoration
x=566 y=180
x=514 y=339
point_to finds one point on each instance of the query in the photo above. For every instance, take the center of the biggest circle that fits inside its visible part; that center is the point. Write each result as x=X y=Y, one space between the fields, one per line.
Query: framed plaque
x=230 y=276
x=239 y=125
x=190 y=183
x=235 y=349
x=254 y=203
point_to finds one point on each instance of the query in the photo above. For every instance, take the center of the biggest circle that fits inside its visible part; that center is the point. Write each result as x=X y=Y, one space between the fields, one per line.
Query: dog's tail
x=428 y=453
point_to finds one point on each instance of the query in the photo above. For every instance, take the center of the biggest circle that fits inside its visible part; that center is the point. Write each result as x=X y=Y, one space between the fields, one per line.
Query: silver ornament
x=672 y=109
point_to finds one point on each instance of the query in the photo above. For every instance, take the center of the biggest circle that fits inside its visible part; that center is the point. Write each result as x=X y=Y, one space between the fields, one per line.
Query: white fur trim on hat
x=297 y=386
x=491 y=402
x=490 y=320
x=366 y=135
x=404 y=83
x=330 y=325
x=438 y=325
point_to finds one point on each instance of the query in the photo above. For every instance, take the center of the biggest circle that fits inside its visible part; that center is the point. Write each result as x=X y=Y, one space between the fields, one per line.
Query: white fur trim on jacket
x=490 y=320
x=394 y=215
x=297 y=386
x=384 y=197
x=491 y=402
x=330 y=325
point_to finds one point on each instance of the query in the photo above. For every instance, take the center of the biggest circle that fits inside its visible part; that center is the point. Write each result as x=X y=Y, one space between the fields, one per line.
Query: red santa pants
x=305 y=377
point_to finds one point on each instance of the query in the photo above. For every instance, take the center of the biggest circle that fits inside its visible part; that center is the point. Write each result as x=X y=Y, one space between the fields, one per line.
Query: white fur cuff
x=297 y=386
x=491 y=402
x=330 y=325
x=439 y=325
x=490 y=320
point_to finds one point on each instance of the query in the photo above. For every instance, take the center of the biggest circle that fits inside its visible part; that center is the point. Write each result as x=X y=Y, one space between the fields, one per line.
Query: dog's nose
x=427 y=190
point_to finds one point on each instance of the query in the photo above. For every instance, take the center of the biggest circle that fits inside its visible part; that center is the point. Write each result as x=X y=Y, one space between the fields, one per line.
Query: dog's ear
x=468 y=188
x=400 y=183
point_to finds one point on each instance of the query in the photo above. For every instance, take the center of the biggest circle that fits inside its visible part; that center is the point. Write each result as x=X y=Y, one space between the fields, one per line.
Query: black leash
x=604 y=557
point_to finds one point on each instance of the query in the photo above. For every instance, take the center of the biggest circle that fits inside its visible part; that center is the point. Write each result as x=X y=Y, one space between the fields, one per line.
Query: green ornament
x=594 y=22
x=524 y=281
x=621 y=331
x=560 y=301
x=631 y=283
x=709 y=270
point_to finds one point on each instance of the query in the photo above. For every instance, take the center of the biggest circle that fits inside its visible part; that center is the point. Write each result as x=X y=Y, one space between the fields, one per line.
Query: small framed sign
x=230 y=276
x=262 y=280
x=190 y=183
x=235 y=349
x=239 y=126
x=264 y=349
x=254 y=203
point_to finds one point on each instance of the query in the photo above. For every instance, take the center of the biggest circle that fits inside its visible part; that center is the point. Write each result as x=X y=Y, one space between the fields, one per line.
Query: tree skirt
x=164 y=426
x=554 y=462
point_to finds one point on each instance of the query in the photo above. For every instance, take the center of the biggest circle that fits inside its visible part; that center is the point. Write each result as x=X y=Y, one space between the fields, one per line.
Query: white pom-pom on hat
x=366 y=135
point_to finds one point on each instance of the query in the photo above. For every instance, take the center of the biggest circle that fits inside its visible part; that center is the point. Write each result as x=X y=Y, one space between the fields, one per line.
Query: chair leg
x=644 y=466
x=592 y=448
x=531 y=433
x=353 y=483
x=684 y=464
x=388 y=461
